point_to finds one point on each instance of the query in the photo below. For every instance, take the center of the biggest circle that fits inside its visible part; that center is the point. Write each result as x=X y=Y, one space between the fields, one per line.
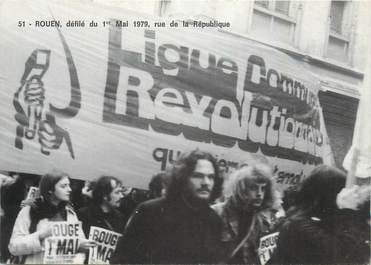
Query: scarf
x=44 y=209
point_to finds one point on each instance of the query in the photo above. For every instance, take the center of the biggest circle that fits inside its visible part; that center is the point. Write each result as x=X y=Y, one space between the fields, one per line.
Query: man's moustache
x=203 y=189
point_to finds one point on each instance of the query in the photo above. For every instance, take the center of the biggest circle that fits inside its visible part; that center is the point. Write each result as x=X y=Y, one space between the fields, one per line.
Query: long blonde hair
x=241 y=179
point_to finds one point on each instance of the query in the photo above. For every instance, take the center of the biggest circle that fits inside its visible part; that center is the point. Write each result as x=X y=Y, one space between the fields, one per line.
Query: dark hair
x=183 y=168
x=12 y=173
x=42 y=207
x=157 y=183
x=289 y=197
x=48 y=181
x=103 y=187
x=364 y=210
x=317 y=194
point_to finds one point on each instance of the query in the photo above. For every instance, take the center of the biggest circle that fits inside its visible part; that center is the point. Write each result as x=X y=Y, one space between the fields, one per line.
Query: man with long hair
x=246 y=213
x=180 y=227
x=103 y=209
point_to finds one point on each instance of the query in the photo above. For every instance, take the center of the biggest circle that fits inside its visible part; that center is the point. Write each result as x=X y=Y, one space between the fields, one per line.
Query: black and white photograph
x=185 y=132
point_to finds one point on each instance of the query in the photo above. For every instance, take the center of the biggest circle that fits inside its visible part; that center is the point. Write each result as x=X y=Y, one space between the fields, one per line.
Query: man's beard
x=195 y=201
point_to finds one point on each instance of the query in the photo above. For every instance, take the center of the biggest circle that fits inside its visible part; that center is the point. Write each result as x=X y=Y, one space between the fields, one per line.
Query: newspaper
x=106 y=245
x=267 y=245
x=62 y=246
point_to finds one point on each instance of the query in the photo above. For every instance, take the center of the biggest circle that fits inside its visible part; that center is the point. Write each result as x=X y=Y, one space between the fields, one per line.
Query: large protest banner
x=106 y=244
x=93 y=90
x=62 y=246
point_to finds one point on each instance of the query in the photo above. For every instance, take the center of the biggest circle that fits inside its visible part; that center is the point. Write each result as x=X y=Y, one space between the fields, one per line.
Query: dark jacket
x=261 y=223
x=166 y=232
x=11 y=198
x=341 y=239
x=93 y=215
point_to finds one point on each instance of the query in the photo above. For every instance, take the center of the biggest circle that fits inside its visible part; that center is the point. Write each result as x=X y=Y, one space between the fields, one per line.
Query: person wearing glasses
x=247 y=213
x=180 y=227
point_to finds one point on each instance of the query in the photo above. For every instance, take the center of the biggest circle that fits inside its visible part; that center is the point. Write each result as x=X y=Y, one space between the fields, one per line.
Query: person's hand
x=34 y=94
x=48 y=136
x=86 y=190
x=46 y=231
x=352 y=198
x=6 y=180
x=51 y=135
x=85 y=244
x=29 y=202
x=364 y=192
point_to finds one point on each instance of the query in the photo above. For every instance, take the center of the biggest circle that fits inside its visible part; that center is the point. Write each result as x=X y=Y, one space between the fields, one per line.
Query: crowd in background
x=194 y=214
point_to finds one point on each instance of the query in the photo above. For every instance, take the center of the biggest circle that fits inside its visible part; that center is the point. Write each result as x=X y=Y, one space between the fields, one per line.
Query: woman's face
x=62 y=190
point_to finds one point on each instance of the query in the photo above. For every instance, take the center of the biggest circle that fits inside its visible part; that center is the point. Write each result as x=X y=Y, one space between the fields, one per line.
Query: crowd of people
x=194 y=215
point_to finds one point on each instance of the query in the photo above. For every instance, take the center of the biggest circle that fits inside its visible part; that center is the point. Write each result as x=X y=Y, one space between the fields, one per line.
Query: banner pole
x=353 y=166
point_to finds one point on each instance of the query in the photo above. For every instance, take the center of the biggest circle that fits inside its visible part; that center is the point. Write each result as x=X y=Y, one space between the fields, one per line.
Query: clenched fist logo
x=34 y=120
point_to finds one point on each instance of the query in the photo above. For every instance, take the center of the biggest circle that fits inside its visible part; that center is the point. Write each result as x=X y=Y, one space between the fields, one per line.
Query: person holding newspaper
x=101 y=219
x=247 y=213
x=13 y=197
x=34 y=224
x=102 y=212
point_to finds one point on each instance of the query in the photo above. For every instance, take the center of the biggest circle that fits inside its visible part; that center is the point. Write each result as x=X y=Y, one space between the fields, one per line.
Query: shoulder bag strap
x=243 y=241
